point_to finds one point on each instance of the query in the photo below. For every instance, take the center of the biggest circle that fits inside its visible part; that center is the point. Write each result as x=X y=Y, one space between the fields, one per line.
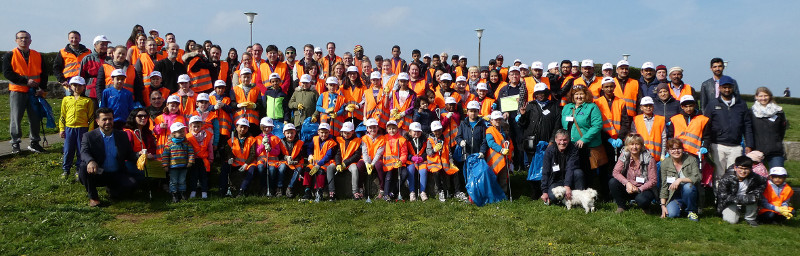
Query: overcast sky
x=754 y=36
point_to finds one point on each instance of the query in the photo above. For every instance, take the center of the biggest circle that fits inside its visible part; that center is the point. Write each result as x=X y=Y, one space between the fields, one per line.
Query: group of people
x=289 y=126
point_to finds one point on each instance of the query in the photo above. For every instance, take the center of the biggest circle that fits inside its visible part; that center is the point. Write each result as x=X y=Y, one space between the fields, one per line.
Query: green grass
x=793 y=116
x=5 y=109
x=45 y=216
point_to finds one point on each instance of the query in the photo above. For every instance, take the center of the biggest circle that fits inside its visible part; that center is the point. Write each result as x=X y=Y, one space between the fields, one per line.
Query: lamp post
x=725 y=64
x=250 y=17
x=480 y=34
x=625 y=56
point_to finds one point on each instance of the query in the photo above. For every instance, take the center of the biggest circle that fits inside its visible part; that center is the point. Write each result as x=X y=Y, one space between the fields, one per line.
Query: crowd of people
x=286 y=126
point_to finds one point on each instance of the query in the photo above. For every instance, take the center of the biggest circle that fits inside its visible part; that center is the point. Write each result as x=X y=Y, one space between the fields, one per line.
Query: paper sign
x=556 y=168
x=155 y=169
x=670 y=179
x=639 y=180
x=510 y=103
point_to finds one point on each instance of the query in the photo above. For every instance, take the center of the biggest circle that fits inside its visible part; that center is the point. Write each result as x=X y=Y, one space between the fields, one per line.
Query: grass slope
x=44 y=215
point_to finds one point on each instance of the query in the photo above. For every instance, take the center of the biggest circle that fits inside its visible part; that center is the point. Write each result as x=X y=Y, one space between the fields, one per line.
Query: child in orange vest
x=323 y=156
x=500 y=150
x=440 y=164
x=220 y=103
x=293 y=158
x=775 y=202
x=244 y=158
x=372 y=149
x=209 y=117
x=162 y=123
x=269 y=151
x=349 y=159
x=200 y=137
x=394 y=158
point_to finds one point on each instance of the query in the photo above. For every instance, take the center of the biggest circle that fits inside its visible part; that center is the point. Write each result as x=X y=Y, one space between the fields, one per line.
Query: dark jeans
x=197 y=173
x=118 y=183
x=644 y=198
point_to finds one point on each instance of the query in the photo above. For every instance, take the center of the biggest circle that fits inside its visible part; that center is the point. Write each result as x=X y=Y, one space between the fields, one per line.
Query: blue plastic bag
x=535 y=171
x=278 y=129
x=482 y=185
x=44 y=110
x=361 y=130
x=309 y=129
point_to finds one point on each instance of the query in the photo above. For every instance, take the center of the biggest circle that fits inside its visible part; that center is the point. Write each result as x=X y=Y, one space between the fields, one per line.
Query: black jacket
x=93 y=149
x=727 y=124
x=475 y=137
x=768 y=135
x=169 y=73
x=667 y=108
x=729 y=186
x=567 y=162
x=540 y=126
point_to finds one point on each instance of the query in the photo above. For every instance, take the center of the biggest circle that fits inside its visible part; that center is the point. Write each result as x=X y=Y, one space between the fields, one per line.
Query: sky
x=685 y=33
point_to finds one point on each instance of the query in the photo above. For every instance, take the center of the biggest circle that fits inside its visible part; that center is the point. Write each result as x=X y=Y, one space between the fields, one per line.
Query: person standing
x=787 y=93
x=68 y=60
x=729 y=121
x=648 y=82
x=171 y=67
x=538 y=120
x=25 y=69
x=709 y=90
x=92 y=64
x=75 y=120
x=769 y=128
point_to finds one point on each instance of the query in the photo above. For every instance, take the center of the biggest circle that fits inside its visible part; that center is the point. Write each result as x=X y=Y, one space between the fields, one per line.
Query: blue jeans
x=684 y=198
x=282 y=169
x=423 y=178
x=774 y=161
x=72 y=146
x=177 y=180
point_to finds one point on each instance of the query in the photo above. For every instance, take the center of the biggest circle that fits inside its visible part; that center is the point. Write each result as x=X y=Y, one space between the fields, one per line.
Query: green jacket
x=690 y=169
x=588 y=118
x=309 y=100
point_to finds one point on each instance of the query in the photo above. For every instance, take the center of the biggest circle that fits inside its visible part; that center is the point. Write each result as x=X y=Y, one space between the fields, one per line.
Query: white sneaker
x=461 y=196
x=193 y=194
x=441 y=196
x=204 y=195
x=412 y=197
x=423 y=196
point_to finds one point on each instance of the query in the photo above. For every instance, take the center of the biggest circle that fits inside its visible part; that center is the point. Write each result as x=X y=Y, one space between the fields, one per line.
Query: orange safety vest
x=252 y=96
x=201 y=149
x=686 y=90
x=130 y=76
x=135 y=142
x=449 y=129
x=223 y=71
x=163 y=138
x=652 y=139
x=612 y=115
x=200 y=80
x=163 y=54
x=135 y=54
x=418 y=86
x=147 y=67
x=266 y=70
x=320 y=150
x=564 y=83
x=300 y=69
x=208 y=120
x=32 y=69
x=72 y=63
x=374 y=107
x=419 y=152
x=350 y=148
x=407 y=119
x=397 y=65
x=225 y=122
x=500 y=86
x=241 y=152
x=460 y=72
x=777 y=200
x=263 y=158
x=691 y=135
x=298 y=147
x=486 y=105
x=496 y=160
x=629 y=95
x=320 y=86
x=441 y=159
x=327 y=63
x=596 y=86
x=148 y=89
x=394 y=154
x=373 y=144
x=530 y=84
x=504 y=73
x=188 y=105
x=336 y=123
x=354 y=96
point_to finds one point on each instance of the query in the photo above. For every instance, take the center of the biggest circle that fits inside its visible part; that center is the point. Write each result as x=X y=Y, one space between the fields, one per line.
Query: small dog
x=585 y=198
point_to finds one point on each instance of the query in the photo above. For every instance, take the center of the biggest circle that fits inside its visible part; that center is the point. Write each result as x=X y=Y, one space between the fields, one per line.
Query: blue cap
x=725 y=80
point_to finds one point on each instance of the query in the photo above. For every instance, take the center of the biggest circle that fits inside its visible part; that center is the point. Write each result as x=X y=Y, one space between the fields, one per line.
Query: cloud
x=391 y=18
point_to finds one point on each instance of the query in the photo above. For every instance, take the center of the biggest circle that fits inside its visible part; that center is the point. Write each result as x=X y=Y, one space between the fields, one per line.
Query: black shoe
x=36 y=148
x=289 y=193
x=175 y=198
x=184 y=196
x=752 y=223
x=14 y=148
x=307 y=194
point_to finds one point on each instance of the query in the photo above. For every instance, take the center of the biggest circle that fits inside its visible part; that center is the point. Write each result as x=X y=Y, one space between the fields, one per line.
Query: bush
x=47 y=57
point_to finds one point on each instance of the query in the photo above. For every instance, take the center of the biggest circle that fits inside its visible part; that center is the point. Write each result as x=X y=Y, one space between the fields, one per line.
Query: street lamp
x=480 y=34
x=250 y=17
x=625 y=56
x=725 y=64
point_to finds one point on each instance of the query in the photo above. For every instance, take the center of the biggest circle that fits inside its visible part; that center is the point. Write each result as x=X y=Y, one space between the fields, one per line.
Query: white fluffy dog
x=583 y=198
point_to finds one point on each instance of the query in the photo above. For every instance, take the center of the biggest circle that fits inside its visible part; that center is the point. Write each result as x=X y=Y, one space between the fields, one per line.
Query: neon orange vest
x=774 y=199
x=652 y=139
x=691 y=135
x=611 y=115
x=496 y=160
x=130 y=76
x=30 y=69
x=200 y=80
x=72 y=63
x=252 y=96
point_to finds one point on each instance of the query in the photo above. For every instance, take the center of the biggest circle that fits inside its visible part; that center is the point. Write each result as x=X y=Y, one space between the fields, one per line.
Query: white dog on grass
x=583 y=198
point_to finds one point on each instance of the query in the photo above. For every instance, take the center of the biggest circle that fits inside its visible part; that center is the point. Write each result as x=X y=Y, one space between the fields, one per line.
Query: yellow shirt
x=76 y=113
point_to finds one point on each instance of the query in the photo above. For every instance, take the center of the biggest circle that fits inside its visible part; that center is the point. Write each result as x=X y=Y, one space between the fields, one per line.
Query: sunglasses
x=141 y=116
x=289 y=52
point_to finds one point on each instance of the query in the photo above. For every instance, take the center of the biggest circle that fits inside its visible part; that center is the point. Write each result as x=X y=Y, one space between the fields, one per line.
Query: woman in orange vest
x=417 y=82
x=372 y=149
x=317 y=82
x=162 y=123
x=269 y=149
x=495 y=83
x=402 y=104
x=394 y=157
x=441 y=164
x=500 y=150
x=416 y=162
x=349 y=158
x=244 y=158
x=375 y=100
x=201 y=138
x=293 y=159
x=324 y=154
x=331 y=106
x=135 y=51
x=775 y=204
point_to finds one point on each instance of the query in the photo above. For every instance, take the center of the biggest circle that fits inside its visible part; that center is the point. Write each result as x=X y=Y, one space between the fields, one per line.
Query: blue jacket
x=727 y=124
x=474 y=136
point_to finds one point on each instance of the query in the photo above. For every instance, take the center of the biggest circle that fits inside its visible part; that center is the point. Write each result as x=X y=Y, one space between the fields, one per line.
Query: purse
x=597 y=155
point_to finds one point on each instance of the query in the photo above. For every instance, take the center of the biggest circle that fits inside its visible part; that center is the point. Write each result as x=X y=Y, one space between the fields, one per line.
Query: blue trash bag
x=278 y=129
x=482 y=185
x=361 y=130
x=535 y=171
x=458 y=153
x=309 y=129
x=44 y=109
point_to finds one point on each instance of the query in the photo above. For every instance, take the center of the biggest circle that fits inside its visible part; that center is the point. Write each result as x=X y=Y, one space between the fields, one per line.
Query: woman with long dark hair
x=233 y=60
x=137 y=29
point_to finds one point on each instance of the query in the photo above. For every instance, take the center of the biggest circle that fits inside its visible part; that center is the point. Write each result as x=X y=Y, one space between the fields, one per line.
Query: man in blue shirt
x=103 y=155
x=118 y=99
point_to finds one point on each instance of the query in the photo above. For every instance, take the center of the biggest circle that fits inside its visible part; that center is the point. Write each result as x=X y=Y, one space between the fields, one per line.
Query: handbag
x=597 y=155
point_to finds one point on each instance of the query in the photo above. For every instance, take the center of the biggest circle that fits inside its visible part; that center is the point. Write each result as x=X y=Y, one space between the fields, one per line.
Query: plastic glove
x=541 y=144
x=703 y=150
x=351 y=107
x=437 y=147
x=265 y=141
x=504 y=151
x=386 y=90
x=463 y=143
x=251 y=105
x=219 y=105
x=339 y=168
x=516 y=119
x=416 y=159
x=494 y=105
x=243 y=168
x=300 y=106
x=314 y=119
x=370 y=167
x=480 y=155
x=230 y=161
x=453 y=166
x=486 y=118
x=314 y=170
x=241 y=105
x=611 y=141
x=617 y=143
x=393 y=112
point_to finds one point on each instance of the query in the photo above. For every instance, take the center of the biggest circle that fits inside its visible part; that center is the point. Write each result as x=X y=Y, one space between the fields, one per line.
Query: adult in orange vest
x=402 y=103
x=690 y=127
x=353 y=89
x=616 y=122
x=274 y=66
x=775 y=205
x=67 y=63
x=322 y=159
x=163 y=53
x=135 y=51
x=155 y=85
x=375 y=100
x=247 y=99
x=501 y=150
x=588 y=78
x=347 y=59
x=146 y=64
x=503 y=70
x=221 y=69
x=201 y=138
x=199 y=69
x=131 y=83
x=330 y=59
x=244 y=158
x=416 y=163
x=627 y=88
x=607 y=70
x=24 y=68
x=388 y=76
x=299 y=67
x=495 y=83
x=293 y=159
x=651 y=127
x=416 y=81
x=372 y=149
x=365 y=68
x=348 y=159
x=676 y=86
x=394 y=159
x=247 y=62
x=561 y=82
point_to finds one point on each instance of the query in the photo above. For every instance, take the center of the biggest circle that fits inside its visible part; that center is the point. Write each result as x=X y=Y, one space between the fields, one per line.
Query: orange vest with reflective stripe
x=420 y=152
x=612 y=115
x=629 y=95
x=500 y=86
x=336 y=123
x=241 y=152
x=373 y=144
x=449 y=129
x=486 y=105
x=130 y=76
x=223 y=71
x=460 y=72
x=530 y=84
x=201 y=149
x=225 y=122
x=136 y=54
x=686 y=90
x=266 y=70
x=351 y=148
x=777 y=200
x=163 y=138
x=397 y=65
x=148 y=89
x=265 y=157
x=72 y=63
x=595 y=87
x=393 y=155
x=692 y=134
x=187 y=105
x=652 y=139
x=496 y=160
x=32 y=69
x=504 y=73
x=564 y=83
x=252 y=96
x=320 y=150
x=354 y=96
x=440 y=159
x=135 y=142
x=147 y=68
x=200 y=80
x=298 y=147
x=407 y=119
x=374 y=107
x=327 y=63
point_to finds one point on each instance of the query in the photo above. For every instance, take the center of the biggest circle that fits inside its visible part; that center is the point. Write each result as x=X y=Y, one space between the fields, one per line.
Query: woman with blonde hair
x=769 y=128
x=635 y=175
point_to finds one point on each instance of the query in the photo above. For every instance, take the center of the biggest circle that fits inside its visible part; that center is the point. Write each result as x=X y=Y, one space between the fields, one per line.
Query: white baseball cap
x=517 y=60
x=274 y=76
x=402 y=76
x=184 y=78
x=622 y=63
x=462 y=57
x=523 y=66
x=539 y=87
x=305 y=78
x=473 y=105
x=245 y=71
x=219 y=83
x=647 y=65
x=687 y=98
x=513 y=68
x=118 y=72
x=242 y=121
x=332 y=80
x=481 y=86
x=538 y=65
x=266 y=121
x=100 y=38
x=446 y=76
x=607 y=80
x=203 y=96
x=436 y=125
x=550 y=65
x=325 y=126
x=155 y=73
x=371 y=122
x=427 y=55
x=391 y=122
x=347 y=127
x=416 y=126
x=646 y=100
x=195 y=119
x=289 y=126
x=587 y=63
x=176 y=126
x=450 y=100
x=317 y=49
x=575 y=63
x=497 y=115
x=77 y=80
x=375 y=75
x=173 y=98
x=352 y=69
x=778 y=171
x=154 y=30
x=607 y=66
x=461 y=79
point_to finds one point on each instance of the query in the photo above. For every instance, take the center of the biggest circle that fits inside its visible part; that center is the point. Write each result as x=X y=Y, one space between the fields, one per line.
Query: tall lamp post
x=625 y=56
x=250 y=17
x=480 y=34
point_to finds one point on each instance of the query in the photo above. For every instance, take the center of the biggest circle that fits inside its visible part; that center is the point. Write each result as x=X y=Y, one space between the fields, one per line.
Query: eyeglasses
x=290 y=52
x=141 y=116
